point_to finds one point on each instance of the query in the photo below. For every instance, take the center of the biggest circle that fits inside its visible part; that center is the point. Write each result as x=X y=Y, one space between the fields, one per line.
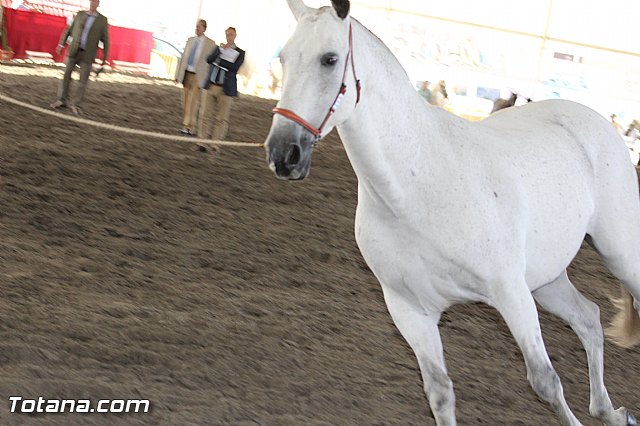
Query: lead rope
x=127 y=130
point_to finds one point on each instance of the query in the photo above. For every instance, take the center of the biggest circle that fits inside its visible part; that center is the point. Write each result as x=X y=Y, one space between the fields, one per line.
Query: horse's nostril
x=293 y=155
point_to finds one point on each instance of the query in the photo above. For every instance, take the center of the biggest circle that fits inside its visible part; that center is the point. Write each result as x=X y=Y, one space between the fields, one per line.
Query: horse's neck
x=392 y=127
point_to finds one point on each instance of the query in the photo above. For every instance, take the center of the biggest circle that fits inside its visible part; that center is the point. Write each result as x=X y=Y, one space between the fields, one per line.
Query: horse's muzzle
x=289 y=154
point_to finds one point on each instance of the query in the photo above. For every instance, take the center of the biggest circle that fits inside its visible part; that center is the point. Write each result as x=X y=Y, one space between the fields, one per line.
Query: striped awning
x=66 y=8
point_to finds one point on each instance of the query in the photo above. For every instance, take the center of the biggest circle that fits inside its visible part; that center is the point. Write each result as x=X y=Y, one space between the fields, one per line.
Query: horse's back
x=575 y=172
x=571 y=133
x=554 y=127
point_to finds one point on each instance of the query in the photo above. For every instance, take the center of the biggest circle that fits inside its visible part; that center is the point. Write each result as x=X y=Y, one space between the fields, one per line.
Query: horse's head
x=318 y=75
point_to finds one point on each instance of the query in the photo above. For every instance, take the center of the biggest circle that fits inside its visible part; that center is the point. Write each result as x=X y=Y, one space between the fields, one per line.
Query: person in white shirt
x=191 y=73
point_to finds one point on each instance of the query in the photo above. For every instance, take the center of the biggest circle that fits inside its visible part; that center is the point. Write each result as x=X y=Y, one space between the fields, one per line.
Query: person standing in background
x=192 y=72
x=220 y=88
x=616 y=125
x=424 y=91
x=439 y=94
x=86 y=31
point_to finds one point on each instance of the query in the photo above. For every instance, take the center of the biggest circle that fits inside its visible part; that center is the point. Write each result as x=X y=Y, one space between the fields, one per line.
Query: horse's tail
x=625 y=326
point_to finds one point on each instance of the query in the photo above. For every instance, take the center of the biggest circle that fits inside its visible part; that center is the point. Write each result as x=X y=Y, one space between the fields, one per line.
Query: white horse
x=451 y=211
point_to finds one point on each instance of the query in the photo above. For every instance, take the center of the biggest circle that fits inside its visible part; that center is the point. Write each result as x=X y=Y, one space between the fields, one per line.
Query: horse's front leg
x=420 y=330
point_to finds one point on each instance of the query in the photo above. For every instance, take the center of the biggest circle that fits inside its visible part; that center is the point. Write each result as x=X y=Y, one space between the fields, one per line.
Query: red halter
x=317 y=132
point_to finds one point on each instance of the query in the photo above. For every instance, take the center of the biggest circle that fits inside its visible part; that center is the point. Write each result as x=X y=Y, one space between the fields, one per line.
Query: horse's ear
x=298 y=8
x=341 y=7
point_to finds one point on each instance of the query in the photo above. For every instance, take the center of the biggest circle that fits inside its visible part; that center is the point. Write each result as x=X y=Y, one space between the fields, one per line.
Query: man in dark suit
x=220 y=89
x=87 y=30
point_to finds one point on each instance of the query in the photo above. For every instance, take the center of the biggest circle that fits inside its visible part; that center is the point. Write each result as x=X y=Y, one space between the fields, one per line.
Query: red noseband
x=295 y=117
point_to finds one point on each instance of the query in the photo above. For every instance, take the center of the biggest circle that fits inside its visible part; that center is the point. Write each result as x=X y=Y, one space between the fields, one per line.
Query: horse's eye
x=329 y=59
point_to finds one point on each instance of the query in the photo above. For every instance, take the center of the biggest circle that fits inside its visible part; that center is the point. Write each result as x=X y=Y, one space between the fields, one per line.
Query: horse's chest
x=445 y=229
x=399 y=254
x=455 y=232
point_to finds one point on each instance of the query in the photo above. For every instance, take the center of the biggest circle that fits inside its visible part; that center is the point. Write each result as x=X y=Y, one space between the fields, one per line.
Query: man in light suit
x=87 y=30
x=192 y=71
x=220 y=88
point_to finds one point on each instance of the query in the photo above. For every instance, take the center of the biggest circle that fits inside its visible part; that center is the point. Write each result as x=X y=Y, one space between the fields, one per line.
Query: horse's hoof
x=631 y=420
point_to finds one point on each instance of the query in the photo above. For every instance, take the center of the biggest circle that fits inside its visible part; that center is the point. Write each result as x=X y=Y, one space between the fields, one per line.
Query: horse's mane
x=384 y=48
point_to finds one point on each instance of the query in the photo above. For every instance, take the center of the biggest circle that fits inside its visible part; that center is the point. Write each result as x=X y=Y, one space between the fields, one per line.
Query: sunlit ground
x=257 y=86
x=57 y=71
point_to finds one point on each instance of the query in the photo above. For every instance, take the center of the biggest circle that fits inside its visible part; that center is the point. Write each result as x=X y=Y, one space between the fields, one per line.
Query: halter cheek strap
x=317 y=132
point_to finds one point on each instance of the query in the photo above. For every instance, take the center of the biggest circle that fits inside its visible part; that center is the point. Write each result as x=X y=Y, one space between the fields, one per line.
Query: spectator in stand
x=192 y=73
x=220 y=88
x=424 y=91
x=439 y=94
x=86 y=31
x=617 y=125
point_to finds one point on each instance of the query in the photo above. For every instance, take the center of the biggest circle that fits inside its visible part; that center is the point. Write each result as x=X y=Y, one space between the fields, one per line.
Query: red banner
x=41 y=32
x=130 y=45
x=33 y=31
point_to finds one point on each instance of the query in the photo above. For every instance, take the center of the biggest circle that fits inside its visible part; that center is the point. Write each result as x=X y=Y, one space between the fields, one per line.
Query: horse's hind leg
x=563 y=300
x=619 y=248
x=420 y=330
x=614 y=231
x=515 y=303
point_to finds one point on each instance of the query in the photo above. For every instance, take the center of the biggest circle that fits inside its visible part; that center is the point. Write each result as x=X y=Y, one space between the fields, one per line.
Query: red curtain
x=33 y=31
x=129 y=45
x=40 y=32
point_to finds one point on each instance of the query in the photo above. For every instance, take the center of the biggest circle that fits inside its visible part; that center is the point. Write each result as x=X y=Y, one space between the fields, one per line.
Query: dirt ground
x=138 y=268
